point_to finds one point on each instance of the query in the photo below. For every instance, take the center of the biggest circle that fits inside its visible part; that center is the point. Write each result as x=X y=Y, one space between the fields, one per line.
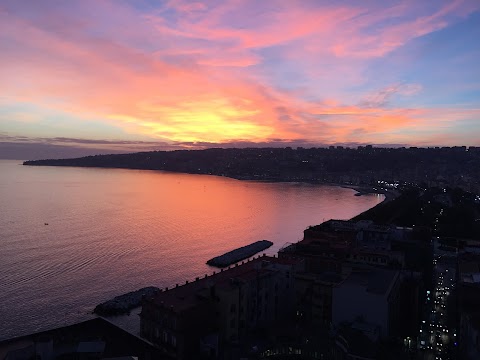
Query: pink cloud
x=199 y=78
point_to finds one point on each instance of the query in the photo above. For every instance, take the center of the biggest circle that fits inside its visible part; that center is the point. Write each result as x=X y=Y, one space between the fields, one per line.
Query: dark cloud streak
x=24 y=148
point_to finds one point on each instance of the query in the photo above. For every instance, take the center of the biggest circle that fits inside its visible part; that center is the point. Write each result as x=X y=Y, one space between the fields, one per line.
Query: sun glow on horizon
x=195 y=121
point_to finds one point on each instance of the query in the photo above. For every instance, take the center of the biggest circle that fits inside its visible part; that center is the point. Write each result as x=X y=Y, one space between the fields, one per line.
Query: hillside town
x=455 y=167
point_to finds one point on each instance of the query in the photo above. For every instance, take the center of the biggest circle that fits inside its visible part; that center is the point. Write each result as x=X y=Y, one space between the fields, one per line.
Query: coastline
x=360 y=189
x=366 y=190
x=131 y=323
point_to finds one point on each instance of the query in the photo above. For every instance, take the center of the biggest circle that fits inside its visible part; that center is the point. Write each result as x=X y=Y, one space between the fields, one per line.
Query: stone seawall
x=124 y=303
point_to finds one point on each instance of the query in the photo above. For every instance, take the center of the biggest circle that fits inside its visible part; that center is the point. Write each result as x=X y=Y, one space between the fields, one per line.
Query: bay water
x=71 y=238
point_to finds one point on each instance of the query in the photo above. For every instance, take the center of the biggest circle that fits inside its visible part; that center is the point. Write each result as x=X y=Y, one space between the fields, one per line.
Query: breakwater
x=241 y=253
x=122 y=304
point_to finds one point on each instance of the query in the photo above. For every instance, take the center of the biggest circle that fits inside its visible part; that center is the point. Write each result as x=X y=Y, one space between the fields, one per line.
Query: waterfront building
x=338 y=253
x=314 y=298
x=352 y=277
x=213 y=314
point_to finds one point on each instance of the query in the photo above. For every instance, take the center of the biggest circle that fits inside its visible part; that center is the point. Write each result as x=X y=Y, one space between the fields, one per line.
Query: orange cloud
x=205 y=76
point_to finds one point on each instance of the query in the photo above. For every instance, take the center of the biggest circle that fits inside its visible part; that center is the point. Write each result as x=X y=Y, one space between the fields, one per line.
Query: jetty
x=122 y=304
x=241 y=253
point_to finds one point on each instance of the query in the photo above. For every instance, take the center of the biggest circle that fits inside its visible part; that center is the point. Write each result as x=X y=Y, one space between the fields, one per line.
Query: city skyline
x=145 y=75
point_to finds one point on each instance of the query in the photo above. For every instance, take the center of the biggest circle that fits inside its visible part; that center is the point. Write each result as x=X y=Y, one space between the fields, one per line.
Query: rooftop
x=376 y=281
x=92 y=336
x=469 y=268
x=325 y=277
x=188 y=295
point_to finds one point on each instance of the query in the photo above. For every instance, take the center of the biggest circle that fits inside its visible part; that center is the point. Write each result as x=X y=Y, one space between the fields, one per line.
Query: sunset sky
x=146 y=75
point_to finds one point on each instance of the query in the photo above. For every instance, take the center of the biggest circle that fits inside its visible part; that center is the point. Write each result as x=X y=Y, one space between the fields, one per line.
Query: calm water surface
x=112 y=231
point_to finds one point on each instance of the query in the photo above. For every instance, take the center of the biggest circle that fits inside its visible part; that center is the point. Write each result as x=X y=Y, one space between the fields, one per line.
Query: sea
x=71 y=238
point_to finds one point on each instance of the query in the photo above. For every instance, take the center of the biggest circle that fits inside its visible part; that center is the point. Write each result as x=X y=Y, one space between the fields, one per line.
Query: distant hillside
x=456 y=166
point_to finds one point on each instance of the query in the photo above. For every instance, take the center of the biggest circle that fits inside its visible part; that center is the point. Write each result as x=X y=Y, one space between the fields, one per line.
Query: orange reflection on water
x=112 y=231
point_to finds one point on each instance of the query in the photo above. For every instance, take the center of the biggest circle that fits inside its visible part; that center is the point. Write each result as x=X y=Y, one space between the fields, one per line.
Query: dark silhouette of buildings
x=342 y=285
x=368 y=166
x=213 y=314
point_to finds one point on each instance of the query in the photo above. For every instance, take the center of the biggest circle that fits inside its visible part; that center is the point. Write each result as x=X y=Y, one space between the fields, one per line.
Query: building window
x=174 y=341
x=233 y=308
x=232 y=323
